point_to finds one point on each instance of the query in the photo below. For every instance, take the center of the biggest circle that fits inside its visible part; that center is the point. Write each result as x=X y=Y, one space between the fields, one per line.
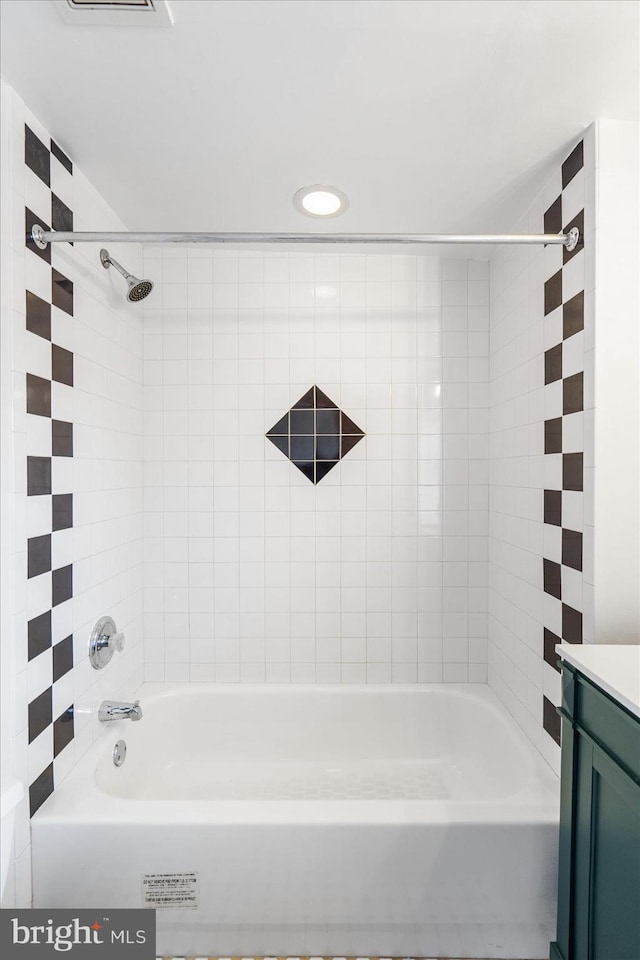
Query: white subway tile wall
x=377 y=573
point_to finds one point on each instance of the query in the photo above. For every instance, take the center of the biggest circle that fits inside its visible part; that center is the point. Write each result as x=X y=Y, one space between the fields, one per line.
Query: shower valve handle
x=105 y=640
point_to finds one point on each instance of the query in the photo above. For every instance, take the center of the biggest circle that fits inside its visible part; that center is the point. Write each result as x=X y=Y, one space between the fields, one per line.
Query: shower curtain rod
x=42 y=237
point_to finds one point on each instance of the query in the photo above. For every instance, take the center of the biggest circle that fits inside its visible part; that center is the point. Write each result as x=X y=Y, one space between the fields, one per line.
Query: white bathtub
x=393 y=821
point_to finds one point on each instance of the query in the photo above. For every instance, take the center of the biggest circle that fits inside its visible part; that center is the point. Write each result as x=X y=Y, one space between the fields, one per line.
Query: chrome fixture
x=116 y=710
x=138 y=289
x=42 y=237
x=103 y=643
x=119 y=754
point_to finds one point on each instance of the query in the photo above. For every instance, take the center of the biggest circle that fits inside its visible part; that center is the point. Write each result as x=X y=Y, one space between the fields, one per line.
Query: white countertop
x=615 y=668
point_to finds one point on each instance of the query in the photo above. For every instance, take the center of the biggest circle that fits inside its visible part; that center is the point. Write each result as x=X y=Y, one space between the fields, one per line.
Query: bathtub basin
x=288 y=820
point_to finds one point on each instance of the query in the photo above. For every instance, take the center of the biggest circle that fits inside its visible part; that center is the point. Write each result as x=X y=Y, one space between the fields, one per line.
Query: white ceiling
x=432 y=116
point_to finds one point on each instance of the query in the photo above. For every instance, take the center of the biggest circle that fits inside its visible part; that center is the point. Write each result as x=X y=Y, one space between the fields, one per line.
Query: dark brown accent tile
x=578 y=221
x=31 y=219
x=60 y=155
x=323 y=402
x=61 y=215
x=552 y=364
x=572 y=471
x=573 y=394
x=38 y=476
x=573 y=315
x=281 y=428
x=38 y=396
x=63 y=731
x=323 y=468
x=61 y=585
x=307 y=402
x=36 y=156
x=61 y=365
x=38 y=555
x=553 y=435
x=553 y=217
x=552 y=578
x=61 y=292
x=327 y=447
x=302 y=422
x=348 y=426
x=62 y=658
x=61 y=438
x=39 y=714
x=550 y=655
x=306 y=467
x=301 y=448
x=61 y=511
x=553 y=292
x=40 y=789
x=572 y=549
x=551 y=720
x=573 y=163
x=349 y=442
x=38 y=316
x=327 y=421
x=282 y=443
x=571 y=624
x=553 y=507
x=38 y=635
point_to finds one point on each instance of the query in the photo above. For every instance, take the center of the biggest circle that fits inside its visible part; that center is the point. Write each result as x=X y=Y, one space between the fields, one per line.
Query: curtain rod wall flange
x=42 y=238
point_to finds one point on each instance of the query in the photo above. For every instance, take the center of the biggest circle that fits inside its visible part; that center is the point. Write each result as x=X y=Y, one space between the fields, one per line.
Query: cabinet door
x=607 y=860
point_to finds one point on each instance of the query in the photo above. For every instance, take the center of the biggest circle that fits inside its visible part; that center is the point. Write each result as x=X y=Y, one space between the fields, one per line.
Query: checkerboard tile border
x=49 y=640
x=563 y=434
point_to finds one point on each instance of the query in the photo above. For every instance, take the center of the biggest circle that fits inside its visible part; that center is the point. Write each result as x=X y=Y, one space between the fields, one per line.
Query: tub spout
x=114 y=710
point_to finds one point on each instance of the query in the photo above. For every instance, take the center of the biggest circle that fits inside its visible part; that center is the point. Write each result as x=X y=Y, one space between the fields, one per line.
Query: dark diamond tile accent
x=571 y=624
x=61 y=585
x=39 y=635
x=61 y=292
x=553 y=507
x=61 y=365
x=552 y=364
x=61 y=511
x=578 y=221
x=553 y=435
x=573 y=394
x=572 y=549
x=553 y=217
x=551 y=720
x=572 y=471
x=38 y=316
x=315 y=434
x=550 y=655
x=38 y=555
x=573 y=163
x=31 y=219
x=40 y=789
x=61 y=215
x=573 y=315
x=63 y=731
x=61 y=438
x=38 y=476
x=38 y=396
x=553 y=292
x=36 y=156
x=60 y=155
x=552 y=582
x=40 y=714
x=62 y=658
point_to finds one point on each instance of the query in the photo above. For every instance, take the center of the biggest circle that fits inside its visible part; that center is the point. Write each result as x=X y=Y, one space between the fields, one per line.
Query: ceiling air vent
x=115 y=13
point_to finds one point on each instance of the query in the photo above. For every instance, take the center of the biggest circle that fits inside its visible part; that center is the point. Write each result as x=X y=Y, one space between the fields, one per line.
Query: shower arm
x=42 y=238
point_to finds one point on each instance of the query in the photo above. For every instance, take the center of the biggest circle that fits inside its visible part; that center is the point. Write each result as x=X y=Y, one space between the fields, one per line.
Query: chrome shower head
x=138 y=289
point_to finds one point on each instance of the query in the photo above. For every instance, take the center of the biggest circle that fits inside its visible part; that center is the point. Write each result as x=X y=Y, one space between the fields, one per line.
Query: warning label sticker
x=166 y=891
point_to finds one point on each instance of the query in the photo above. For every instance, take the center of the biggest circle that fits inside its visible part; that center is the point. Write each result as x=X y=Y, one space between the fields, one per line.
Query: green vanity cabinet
x=599 y=856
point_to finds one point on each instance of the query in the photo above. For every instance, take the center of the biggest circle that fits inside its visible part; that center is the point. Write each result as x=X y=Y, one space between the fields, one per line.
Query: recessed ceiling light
x=318 y=200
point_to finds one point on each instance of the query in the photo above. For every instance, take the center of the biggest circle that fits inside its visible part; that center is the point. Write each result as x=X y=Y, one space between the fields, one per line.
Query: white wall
x=379 y=572
x=104 y=475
